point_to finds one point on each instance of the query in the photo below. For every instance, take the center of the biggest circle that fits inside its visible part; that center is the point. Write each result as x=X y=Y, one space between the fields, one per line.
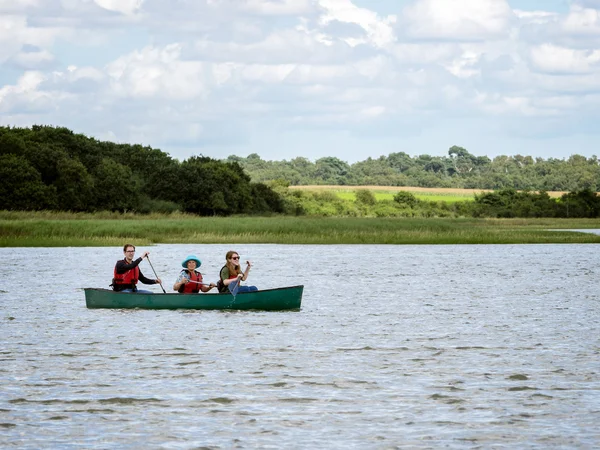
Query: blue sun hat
x=191 y=258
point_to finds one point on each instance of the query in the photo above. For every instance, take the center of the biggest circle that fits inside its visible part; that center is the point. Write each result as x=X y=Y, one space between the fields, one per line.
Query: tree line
x=459 y=169
x=52 y=168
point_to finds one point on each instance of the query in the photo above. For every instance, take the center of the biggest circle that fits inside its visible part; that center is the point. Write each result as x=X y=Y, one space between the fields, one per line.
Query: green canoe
x=267 y=300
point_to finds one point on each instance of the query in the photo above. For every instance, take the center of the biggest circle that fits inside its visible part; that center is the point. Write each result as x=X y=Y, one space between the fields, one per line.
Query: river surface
x=490 y=346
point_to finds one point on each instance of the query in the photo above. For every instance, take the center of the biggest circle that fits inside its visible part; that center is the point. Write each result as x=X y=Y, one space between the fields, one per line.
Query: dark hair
x=126 y=246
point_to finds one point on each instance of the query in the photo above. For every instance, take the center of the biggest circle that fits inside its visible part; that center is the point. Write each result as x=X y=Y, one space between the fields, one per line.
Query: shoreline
x=111 y=229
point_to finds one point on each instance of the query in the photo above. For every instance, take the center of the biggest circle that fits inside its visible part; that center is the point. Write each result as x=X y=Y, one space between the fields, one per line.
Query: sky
x=351 y=79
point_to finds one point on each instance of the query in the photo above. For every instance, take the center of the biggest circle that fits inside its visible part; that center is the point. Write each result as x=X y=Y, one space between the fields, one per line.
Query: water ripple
x=404 y=347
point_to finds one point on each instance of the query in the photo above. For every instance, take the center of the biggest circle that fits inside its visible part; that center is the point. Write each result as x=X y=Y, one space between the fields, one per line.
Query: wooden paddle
x=148 y=258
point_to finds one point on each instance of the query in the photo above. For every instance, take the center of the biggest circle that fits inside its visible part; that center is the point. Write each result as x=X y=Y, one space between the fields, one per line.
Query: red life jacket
x=127 y=280
x=191 y=288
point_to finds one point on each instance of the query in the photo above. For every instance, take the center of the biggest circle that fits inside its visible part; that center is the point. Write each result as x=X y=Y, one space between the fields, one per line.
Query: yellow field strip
x=439 y=191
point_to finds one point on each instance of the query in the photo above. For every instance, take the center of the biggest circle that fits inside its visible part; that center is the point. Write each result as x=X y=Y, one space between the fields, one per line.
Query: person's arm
x=181 y=280
x=145 y=280
x=205 y=288
x=247 y=271
x=123 y=267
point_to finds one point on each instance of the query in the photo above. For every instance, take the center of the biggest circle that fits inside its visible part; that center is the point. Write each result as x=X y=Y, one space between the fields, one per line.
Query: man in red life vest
x=127 y=273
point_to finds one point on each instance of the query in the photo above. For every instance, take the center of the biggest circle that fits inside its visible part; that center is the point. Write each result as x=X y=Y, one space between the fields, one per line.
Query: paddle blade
x=234 y=287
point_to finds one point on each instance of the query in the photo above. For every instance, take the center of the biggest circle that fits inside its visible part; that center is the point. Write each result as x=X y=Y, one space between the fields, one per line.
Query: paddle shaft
x=199 y=282
x=148 y=258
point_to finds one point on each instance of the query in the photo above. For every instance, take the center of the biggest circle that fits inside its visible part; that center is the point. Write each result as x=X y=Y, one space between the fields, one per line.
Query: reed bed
x=105 y=229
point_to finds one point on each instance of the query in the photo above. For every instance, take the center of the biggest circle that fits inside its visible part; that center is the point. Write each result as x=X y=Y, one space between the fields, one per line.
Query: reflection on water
x=395 y=346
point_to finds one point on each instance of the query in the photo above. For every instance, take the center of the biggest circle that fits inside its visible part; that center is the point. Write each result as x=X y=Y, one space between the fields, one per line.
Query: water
x=395 y=347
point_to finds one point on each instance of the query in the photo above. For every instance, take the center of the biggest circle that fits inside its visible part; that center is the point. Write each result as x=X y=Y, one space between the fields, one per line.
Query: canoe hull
x=280 y=299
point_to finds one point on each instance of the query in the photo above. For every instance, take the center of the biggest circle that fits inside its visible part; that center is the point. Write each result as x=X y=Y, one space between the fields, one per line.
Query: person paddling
x=232 y=272
x=127 y=273
x=190 y=280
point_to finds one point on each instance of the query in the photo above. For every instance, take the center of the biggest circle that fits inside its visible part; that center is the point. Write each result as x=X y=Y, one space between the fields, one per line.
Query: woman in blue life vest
x=232 y=271
x=190 y=280
x=127 y=273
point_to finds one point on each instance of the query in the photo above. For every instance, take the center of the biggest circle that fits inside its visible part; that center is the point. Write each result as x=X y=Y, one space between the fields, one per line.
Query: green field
x=421 y=195
x=41 y=229
x=448 y=195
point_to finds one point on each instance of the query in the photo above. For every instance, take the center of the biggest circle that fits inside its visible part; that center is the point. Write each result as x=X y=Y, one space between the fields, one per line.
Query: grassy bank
x=110 y=229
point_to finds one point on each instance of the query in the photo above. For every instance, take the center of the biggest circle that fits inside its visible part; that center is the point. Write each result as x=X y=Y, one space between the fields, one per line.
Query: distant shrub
x=405 y=198
x=293 y=205
x=148 y=205
x=387 y=209
x=365 y=197
x=325 y=196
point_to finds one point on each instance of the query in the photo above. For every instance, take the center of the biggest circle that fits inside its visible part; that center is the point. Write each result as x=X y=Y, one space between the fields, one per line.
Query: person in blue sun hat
x=189 y=280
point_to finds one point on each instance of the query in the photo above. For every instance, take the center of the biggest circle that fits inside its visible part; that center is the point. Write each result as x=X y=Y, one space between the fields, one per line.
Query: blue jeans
x=139 y=291
x=247 y=289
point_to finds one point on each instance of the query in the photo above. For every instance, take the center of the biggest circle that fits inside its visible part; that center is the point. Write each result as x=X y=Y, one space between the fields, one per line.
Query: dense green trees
x=53 y=168
x=21 y=186
x=460 y=169
x=115 y=187
x=512 y=203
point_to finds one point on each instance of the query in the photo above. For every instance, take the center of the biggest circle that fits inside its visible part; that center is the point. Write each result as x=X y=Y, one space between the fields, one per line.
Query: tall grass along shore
x=51 y=229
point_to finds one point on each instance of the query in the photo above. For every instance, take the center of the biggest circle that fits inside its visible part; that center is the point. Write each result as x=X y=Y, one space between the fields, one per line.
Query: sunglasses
x=235 y=257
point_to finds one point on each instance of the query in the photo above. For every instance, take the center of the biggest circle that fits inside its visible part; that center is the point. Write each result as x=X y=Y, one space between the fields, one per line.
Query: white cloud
x=181 y=78
x=465 y=66
x=425 y=53
x=33 y=59
x=446 y=20
x=12 y=29
x=126 y=7
x=158 y=73
x=16 y=31
x=12 y=6
x=536 y=17
x=560 y=60
x=575 y=84
x=298 y=45
x=379 y=31
x=582 y=21
x=277 y=7
x=27 y=83
x=24 y=95
x=74 y=75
